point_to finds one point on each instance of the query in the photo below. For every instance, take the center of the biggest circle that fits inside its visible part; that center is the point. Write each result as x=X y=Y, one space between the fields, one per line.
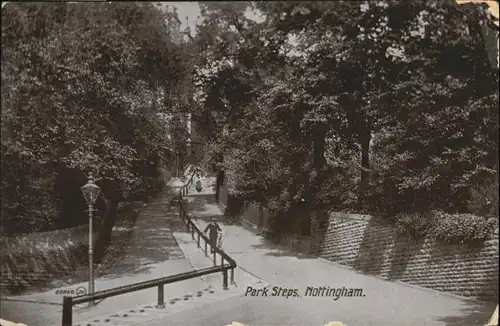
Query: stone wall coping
x=350 y=216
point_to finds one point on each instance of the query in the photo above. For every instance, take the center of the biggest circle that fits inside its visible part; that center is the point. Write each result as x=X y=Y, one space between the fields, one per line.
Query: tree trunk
x=316 y=178
x=218 y=184
x=217 y=189
x=234 y=206
x=365 y=165
x=105 y=231
x=319 y=162
x=319 y=151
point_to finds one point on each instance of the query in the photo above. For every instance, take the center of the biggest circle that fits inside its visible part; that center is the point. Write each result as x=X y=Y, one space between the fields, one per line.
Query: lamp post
x=176 y=185
x=90 y=192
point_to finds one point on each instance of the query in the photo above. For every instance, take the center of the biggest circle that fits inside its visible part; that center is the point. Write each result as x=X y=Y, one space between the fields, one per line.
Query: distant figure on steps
x=198 y=183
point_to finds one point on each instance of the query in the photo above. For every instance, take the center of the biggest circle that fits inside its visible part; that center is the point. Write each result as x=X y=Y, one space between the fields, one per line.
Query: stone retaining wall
x=44 y=260
x=35 y=259
x=373 y=247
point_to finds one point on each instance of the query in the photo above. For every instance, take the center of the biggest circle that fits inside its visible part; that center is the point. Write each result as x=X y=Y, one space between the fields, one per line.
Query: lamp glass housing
x=91 y=192
x=176 y=185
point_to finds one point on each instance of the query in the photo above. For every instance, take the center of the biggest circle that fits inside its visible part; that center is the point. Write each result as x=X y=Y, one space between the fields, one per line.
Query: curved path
x=151 y=252
x=203 y=302
x=383 y=302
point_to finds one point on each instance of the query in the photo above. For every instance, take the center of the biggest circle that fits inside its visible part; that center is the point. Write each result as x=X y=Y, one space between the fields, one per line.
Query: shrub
x=449 y=228
x=460 y=228
x=413 y=224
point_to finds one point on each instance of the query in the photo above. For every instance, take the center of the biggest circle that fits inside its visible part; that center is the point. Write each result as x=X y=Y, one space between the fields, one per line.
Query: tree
x=357 y=70
x=84 y=94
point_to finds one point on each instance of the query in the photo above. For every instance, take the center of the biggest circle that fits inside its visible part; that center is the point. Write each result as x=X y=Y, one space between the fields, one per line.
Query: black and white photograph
x=266 y=163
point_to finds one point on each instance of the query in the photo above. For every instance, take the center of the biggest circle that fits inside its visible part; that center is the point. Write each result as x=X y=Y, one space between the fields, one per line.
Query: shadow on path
x=473 y=313
x=152 y=239
x=203 y=208
x=279 y=250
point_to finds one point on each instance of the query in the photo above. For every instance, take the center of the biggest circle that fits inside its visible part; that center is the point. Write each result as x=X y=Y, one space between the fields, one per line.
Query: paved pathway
x=261 y=264
x=151 y=252
x=158 y=247
x=211 y=292
x=384 y=303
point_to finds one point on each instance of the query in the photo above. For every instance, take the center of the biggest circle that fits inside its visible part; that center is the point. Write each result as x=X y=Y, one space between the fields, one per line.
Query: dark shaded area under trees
x=83 y=87
x=387 y=108
x=391 y=108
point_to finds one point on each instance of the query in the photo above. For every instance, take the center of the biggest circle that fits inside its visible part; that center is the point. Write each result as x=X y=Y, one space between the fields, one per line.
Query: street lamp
x=176 y=185
x=90 y=192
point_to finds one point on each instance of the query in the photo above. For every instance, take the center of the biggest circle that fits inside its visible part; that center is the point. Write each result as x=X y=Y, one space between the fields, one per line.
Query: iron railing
x=69 y=302
x=198 y=235
x=185 y=188
x=226 y=263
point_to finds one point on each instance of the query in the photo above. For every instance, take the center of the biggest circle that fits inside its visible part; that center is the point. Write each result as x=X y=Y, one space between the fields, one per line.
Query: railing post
x=232 y=276
x=161 y=300
x=187 y=224
x=67 y=315
x=198 y=241
x=206 y=249
x=192 y=233
x=181 y=213
x=224 y=279
x=221 y=260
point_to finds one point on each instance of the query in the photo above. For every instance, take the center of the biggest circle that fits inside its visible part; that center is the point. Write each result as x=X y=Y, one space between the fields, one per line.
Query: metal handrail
x=201 y=235
x=69 y=302
x=186 y=186
x=147 y=284
x=191 y=226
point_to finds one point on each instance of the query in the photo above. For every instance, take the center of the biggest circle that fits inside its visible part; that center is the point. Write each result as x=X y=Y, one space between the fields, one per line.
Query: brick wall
x=41 y=260
x=36 y=259
x=373 y=247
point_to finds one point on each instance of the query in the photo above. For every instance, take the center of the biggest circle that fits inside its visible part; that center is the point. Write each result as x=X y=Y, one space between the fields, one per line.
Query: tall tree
x=331 y=75
x=86 y=84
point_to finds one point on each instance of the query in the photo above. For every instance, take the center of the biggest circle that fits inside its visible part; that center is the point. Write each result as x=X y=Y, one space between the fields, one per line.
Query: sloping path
x=203 y=302
x=383 y=302
x=212 y=293
x=152 y=238
x=151 y=252
x=264 y=264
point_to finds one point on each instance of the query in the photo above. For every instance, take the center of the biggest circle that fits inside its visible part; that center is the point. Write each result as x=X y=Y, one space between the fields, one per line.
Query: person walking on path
x=198 y=183
x=213 y=230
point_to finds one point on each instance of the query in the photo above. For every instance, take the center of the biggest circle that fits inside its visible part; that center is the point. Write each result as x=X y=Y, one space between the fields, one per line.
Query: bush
x=449 y=228
x=484 y=199
x=413 y=224
x=460 y=228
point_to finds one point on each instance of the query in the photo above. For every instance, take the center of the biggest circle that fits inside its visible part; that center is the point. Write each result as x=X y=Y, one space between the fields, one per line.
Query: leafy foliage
x=448 y=228
x=382 y=106
x=83 y=86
